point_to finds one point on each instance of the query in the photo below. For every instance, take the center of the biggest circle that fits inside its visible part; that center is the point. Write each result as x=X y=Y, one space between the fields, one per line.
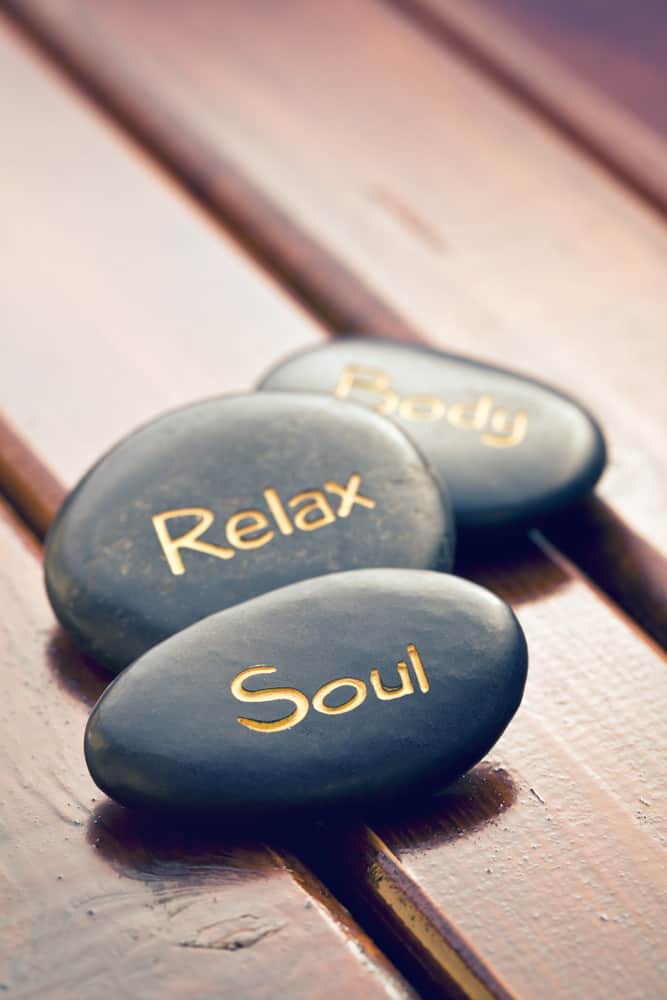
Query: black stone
x=119 y=589
x=168 y=732
x=511 y=449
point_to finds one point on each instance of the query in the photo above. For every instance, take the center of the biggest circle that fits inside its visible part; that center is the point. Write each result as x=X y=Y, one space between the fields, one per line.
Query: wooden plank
x=109 y=268
x=550 y=856
x=620 y=52
x=97 y=901
x=101 y=394
x=482 y=227
x=599 y=69
x=106 y=277
x=576 y=744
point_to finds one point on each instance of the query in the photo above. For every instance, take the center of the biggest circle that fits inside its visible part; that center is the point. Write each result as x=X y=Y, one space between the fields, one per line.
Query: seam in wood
x=451 y=32
x=323 y=284
x=26 y=481
x=437 y=937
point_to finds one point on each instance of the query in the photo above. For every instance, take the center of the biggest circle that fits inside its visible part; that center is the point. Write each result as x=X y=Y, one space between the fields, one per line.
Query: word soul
x=302 y=704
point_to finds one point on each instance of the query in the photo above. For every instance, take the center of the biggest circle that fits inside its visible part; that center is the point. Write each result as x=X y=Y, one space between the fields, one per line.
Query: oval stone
x=511 y=449
x=220 y=501
x=351 y=689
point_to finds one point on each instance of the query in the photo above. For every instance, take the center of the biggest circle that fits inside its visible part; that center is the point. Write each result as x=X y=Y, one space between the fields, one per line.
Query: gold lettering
x=189 y=540
x=503 y=437
x=349 y=495
x=427 y=408
x=372 y=380
x=357 y=698
x=302 y=705
x=422 y=408
x=471 y=416
x=418 y=667
x=318 y=503
x=387 y=694
x=299 y=699
x=236 y=534
x=274 y=503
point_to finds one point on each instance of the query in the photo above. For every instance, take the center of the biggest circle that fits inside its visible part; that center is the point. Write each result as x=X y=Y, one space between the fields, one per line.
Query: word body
x=496 y=426
x=505 y=449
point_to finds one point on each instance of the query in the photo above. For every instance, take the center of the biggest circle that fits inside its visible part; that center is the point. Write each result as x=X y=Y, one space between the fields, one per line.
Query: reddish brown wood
x=596 y=69
x=108 y=394
x=99 y=902
x=618 y=49
x=26 y=480
x=579 y=774
x=591 y=539
x=119 y=297
x=431 y=196
x=550 y=857
x=95 y=901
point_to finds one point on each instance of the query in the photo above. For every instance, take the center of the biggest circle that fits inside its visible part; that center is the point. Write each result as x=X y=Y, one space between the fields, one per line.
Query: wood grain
x=598 y=69
x=26 y=481
x=108 y=270
x=549 y=857
x=579 y=774
x=620 y=51
x=401 y=193
x=99 y=902
x=106 y=274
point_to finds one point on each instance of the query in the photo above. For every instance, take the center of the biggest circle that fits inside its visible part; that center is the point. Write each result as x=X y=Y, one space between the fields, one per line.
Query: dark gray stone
x=270 y=489
x=353 y=689
x=510 y=449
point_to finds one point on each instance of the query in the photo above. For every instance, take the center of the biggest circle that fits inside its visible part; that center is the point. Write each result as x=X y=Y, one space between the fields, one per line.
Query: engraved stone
x=226 y=499
x=510 y=449
x=355 y=689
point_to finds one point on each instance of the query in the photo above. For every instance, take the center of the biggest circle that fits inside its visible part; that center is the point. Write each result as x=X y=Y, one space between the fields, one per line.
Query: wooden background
x=191 y=191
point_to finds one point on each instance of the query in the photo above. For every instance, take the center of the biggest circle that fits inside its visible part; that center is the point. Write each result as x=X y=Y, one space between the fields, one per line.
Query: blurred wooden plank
x=117 y=299
x=432 y=205
x=576 y=743
x=107 y=270
x=621 y=50
x=600 y=69
x=99 y=902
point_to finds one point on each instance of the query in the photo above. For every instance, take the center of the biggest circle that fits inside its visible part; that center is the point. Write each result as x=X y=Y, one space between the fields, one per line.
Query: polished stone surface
x=510 y=449
x=226 y=499
x=350 y=690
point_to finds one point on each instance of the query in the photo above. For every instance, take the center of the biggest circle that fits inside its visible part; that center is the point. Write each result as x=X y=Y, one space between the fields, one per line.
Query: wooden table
x=189 y=192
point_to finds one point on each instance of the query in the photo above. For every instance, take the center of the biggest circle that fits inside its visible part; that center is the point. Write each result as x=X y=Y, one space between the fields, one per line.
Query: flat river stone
x=220 y=501
x=510 y=449
x=351 y=689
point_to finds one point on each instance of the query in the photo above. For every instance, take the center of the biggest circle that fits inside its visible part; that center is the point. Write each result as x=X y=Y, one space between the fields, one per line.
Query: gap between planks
x=629 y=150
x=442 y=958
x=163 y=895
x=379 y=845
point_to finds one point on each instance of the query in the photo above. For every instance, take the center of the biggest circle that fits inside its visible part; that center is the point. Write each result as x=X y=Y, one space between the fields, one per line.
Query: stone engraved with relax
x=499 y=430
x=302 y=705
x=243 y=536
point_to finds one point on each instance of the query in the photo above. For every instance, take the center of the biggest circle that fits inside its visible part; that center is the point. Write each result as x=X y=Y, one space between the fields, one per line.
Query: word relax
x=496 y=427
x=302 y=704
x=250 y=529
